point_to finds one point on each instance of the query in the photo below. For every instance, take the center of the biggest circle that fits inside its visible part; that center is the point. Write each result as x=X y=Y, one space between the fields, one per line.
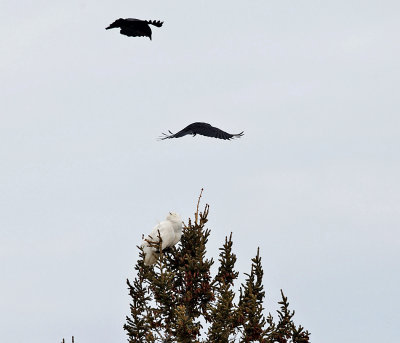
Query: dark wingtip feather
x=238 y=135
x=165 y=136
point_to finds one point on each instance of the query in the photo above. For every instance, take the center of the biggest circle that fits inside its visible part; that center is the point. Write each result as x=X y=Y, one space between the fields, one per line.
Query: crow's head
x=118 y=23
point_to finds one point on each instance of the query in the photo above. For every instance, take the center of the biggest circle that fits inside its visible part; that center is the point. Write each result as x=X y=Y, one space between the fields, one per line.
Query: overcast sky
x=314 y=182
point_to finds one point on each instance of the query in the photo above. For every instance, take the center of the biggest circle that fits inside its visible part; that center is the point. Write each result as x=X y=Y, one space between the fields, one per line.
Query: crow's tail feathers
x=157 y=23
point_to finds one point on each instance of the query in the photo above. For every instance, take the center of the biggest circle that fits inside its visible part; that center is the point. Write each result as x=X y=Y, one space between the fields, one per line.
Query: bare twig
x=196 y=215
x=159 y=243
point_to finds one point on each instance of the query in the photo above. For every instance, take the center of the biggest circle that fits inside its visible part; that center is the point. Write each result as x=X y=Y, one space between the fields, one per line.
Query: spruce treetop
x=178 y=300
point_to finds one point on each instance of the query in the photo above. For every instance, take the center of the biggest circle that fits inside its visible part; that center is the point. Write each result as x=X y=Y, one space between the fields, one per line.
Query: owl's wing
x=166 y=233
x=150 y=255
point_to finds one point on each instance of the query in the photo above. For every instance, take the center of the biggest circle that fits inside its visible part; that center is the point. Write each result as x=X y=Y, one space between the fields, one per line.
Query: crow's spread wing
x=203 y=129
x=186 y=131
x=134 y=20
x=132 y=32
x=211 y=131
x=181 y=133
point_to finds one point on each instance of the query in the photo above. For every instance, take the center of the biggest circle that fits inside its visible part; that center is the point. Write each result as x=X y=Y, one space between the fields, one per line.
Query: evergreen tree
x=223 y=315
x=250 y=309
x=172 y=300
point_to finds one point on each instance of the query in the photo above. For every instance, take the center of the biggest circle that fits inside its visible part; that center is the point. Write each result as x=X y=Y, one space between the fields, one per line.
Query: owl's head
x=174 y=217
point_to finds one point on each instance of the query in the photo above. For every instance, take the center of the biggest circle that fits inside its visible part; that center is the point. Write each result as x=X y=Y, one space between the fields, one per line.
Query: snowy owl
x=170 y=233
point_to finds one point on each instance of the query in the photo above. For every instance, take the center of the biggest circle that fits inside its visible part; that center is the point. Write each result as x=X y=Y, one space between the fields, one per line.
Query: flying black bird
x=202 y=129
x=134 y=27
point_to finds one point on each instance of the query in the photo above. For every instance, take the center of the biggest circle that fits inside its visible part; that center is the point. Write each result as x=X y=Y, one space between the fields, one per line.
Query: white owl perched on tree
x=170 y=231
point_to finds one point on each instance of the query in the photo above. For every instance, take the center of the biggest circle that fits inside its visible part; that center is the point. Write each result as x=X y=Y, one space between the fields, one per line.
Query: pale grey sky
x=314 y=182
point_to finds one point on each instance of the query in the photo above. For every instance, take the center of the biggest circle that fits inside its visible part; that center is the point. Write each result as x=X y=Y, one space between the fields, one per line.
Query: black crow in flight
x=202 y=129
x=134 y=27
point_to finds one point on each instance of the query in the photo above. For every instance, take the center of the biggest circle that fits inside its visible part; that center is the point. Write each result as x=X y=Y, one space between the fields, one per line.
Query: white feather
x=170 y=231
